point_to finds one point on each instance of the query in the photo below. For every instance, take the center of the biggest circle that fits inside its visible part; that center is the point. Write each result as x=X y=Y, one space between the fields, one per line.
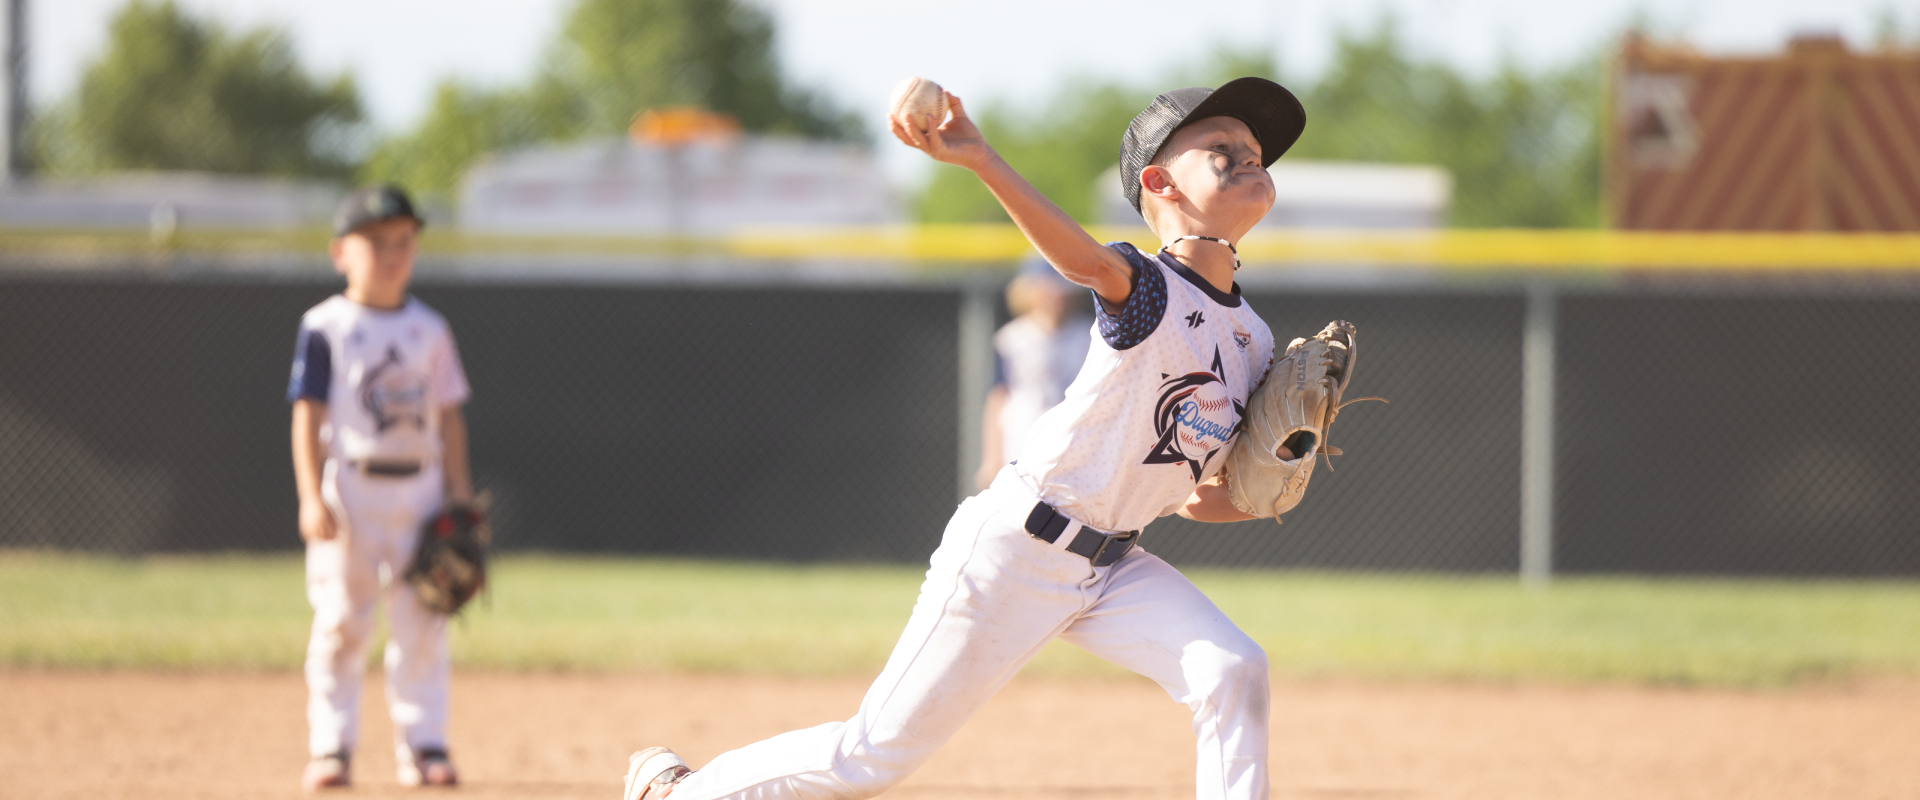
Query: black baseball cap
x=373 y=204
x=1272 y=112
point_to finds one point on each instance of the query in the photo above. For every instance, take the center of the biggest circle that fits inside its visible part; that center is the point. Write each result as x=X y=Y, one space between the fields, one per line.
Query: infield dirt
x=162 y=736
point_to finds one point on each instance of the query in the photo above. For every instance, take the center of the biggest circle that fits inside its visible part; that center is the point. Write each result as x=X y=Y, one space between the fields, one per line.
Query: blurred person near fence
x=1035 y=358
x=379 y=446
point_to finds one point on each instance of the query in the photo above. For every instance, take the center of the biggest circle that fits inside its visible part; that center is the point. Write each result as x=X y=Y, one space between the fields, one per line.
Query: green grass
x=601 y=614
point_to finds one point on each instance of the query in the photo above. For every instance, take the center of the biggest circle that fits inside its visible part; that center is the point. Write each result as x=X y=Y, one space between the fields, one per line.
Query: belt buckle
x=1123 y=541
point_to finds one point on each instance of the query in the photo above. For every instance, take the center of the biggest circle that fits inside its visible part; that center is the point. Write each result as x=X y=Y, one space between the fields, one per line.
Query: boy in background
x=379 y=446
x=1035 y=357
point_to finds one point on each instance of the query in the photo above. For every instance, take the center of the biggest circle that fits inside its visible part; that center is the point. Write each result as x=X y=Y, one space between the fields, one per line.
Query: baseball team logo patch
x=392 y=396
x=1195 y=417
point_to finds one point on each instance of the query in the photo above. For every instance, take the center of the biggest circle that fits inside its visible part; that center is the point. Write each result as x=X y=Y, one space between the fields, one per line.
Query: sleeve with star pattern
x=1126 y=327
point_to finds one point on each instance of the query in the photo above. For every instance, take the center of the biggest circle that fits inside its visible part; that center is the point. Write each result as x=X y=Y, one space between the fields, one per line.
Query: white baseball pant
x=379 y=521
x=992 y=598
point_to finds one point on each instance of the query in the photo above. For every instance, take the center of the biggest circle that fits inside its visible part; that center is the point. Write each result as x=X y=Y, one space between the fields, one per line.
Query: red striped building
x=1818 y=139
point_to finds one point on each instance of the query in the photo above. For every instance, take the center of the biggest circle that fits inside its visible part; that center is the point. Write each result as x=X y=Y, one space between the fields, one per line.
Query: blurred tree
x=1061 y=153
x=1524 y=149
x=614 y=59
x=1064 y=144
x=173 y=92
x=1890 y=34
x=463 y=125
x=624 y=56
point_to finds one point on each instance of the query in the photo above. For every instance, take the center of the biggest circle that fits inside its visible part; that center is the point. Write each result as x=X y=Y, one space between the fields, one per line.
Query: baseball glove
x=1295 y=406
x=449 y=564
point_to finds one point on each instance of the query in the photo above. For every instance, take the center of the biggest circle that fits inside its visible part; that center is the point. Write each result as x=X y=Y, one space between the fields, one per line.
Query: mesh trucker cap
x=1272 y=112
x=372 y=204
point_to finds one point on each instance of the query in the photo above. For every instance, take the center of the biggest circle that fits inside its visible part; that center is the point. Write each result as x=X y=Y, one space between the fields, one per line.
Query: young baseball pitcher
x=379 y=445
x=1049 y=550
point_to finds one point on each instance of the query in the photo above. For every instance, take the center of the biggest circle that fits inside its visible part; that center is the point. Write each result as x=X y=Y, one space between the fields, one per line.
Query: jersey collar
x=366 y=309
x=1230 y=300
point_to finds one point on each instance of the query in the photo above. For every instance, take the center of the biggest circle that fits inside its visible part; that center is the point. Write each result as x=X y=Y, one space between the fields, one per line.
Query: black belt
x=386 y=469
x=1099 y=548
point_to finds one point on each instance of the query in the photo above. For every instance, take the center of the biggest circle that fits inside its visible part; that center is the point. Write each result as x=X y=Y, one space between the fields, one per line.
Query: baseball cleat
x=652 y=773
x=326 y=772
x=428 y=767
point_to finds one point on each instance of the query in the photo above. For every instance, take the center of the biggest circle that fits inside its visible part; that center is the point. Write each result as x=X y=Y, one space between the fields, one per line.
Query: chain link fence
x=1708 y=432
x=1428 y=482
x=1708 y=428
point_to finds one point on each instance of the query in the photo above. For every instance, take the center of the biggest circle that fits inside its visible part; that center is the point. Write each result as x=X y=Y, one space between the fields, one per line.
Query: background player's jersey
x=1036 y=365
x=384 y=376
x=1157 y=404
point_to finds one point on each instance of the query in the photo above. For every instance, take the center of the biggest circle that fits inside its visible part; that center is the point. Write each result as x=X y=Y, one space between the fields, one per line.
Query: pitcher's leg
x=1153 y=621
x=993 y=597
x=343 y=583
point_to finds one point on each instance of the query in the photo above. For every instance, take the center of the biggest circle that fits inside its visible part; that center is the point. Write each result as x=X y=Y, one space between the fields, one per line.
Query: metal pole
x=13 y=106
x=976 y=372
x=1536 y=436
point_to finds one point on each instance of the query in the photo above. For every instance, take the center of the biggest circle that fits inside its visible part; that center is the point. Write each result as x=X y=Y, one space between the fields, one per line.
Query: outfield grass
x=555 y=613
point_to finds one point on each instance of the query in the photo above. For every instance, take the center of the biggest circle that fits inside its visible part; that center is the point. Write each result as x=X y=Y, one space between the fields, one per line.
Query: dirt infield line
x=123 y=734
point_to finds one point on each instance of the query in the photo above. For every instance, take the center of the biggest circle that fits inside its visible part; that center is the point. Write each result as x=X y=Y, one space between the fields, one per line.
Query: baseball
x=917 y=98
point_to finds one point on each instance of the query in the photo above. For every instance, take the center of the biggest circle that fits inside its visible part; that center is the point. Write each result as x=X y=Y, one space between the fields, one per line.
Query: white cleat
x=652 y=773
x=426 y=767
x=327 y=772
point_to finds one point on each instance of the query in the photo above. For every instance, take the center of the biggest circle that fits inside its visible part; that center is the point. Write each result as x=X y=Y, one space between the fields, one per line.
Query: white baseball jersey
x=1157 y=404
x=384 y=376
x=1036 y=364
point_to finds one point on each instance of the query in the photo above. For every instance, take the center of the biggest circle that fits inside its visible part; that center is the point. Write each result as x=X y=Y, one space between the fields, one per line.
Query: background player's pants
x=993 y=596
x=379 y=522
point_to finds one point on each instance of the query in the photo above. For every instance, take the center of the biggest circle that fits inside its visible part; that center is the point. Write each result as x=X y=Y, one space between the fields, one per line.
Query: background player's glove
x=449 y=564
x=1295 y=406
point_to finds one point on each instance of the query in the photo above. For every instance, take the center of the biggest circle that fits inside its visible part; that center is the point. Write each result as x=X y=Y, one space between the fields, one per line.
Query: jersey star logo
x=1194 y=320
x=1187 y=417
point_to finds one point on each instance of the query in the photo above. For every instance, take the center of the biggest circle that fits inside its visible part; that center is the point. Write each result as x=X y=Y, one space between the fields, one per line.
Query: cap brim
x=1272 y=112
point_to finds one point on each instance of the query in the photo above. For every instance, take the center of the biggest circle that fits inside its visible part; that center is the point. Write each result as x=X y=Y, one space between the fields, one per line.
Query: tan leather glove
x=1294 y=407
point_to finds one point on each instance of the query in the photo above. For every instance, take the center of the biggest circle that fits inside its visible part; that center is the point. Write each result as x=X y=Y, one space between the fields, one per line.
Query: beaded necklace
x=1236 y=252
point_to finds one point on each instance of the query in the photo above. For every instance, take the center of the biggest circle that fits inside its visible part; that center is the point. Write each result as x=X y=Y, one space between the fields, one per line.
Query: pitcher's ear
x=1156 y=180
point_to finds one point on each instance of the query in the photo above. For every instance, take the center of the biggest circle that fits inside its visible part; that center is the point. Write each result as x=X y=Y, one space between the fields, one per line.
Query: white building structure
x=166 y=201
x=1330 y=194
x=706 y=186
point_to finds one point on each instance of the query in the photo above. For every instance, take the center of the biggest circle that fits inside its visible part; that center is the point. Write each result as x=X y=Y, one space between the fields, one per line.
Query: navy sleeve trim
x=999 y=369
x=312 y=367
x=1146 y=304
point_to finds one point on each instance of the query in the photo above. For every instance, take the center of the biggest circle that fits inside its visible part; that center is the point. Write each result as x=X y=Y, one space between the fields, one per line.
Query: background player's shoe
x=326 y=772
x=428 y=767
x=652 y=774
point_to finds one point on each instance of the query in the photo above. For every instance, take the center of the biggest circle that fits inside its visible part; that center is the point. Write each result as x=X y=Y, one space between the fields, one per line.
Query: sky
x=997 y=50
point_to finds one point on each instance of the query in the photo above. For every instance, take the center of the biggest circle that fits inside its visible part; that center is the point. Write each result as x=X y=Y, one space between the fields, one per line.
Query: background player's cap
x=1035 y=268
x=1268 y=108
x=372 y=204
x=1033 y=282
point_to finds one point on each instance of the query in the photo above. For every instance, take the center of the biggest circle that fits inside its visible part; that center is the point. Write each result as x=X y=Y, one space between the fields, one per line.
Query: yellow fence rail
x=1431 y=249
x=997 y=244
